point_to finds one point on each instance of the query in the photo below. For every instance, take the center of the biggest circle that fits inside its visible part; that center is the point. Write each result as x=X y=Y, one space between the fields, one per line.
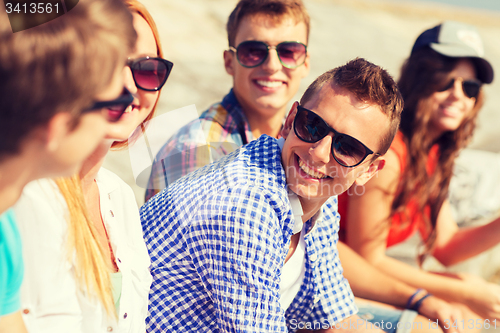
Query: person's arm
x=482 y=297
x=220 y=270
x=367 y=228
x=367 y=222
x=240 y=257
x=11 y=275
x=384 y=288
x=455 y=244
x=12 y=323
x=379 y=287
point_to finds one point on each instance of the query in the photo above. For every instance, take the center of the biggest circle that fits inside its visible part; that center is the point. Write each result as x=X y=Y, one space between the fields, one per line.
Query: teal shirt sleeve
x=11 y=264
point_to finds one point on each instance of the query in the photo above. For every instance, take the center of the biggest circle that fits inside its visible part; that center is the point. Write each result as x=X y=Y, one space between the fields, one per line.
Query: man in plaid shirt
x=248 y=243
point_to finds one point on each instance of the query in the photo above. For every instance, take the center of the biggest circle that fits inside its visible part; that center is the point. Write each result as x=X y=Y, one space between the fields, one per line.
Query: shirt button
x=125 y=316
x=313 y=256
x=26 y=311
x=316 y=299
x=110 y=329
x=112 y=214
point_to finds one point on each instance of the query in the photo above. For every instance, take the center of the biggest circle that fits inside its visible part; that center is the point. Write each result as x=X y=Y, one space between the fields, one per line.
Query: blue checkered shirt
x=218 y=239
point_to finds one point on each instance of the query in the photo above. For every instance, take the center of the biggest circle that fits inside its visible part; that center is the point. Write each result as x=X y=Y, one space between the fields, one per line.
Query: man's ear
x=57 y=130
x=228 y=62
x=372 y=170
x=287 y=127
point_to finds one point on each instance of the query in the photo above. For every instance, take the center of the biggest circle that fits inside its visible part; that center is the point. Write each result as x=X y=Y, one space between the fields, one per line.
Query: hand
x=482 y=297
x=445 y=314
x=12 y=323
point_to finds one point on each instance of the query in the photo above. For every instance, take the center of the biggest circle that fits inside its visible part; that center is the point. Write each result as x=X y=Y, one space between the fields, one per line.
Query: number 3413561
x=470 y=324
x=32 y=8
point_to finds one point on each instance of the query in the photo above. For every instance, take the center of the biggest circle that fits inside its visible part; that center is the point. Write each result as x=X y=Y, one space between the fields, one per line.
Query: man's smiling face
x=267 y=88
x=311 y=171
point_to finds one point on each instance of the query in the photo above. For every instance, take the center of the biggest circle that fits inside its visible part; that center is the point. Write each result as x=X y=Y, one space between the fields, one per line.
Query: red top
x=402 y=225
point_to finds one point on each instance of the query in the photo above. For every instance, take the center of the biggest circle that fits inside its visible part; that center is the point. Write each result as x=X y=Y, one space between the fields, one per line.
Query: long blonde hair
x=92 y=270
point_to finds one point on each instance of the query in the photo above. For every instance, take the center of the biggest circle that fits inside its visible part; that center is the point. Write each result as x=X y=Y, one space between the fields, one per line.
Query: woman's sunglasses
x=346 y=150
x=149 y=73
x=470 y=88
x=253 y=53
x=114 y=109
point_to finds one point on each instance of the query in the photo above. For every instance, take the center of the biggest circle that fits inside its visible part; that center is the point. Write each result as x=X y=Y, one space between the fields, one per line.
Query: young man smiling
x=267 y=58
x=248 y=243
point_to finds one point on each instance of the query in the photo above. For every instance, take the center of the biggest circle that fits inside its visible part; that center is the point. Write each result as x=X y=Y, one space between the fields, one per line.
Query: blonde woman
x=88 y=268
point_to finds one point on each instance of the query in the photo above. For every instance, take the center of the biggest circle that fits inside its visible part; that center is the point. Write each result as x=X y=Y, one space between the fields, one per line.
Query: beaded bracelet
x=418 y=303
x=410 y=300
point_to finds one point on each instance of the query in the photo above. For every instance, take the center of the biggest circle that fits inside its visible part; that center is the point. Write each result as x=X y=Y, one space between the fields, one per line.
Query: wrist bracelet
x=410 y=300
x=418 y=303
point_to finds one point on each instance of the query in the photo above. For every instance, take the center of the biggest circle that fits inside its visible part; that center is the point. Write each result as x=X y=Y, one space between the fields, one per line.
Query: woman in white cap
x=441 y=85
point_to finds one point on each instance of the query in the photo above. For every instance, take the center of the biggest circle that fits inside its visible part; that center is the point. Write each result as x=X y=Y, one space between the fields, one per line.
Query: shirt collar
x=233 y=107
x=106 y=183
x=294 y=201
x=297 y=212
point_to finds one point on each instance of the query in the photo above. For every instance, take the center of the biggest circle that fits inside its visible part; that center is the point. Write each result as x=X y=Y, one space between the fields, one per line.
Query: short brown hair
x=369 y=83
x=59 y=66
x=275 y=9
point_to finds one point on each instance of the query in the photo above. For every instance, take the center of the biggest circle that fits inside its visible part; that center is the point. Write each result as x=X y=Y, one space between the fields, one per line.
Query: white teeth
x=311 y=172
x=129 y=109
x=452 y=109
x=270 y=84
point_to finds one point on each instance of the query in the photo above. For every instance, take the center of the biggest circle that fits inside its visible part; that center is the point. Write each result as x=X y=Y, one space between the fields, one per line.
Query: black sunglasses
x=150 y=73
x=252 y=53
x=346 y=150
x=470 y=88
x=114 y=109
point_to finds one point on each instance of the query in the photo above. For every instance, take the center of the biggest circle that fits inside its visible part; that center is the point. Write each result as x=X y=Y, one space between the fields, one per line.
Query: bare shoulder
x=388 y=177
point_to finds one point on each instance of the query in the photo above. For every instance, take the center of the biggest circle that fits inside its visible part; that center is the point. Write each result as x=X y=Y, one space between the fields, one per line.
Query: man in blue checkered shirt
x=248 y=243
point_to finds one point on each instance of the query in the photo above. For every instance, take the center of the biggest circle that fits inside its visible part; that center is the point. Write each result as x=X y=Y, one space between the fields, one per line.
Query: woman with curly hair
x=441 y=83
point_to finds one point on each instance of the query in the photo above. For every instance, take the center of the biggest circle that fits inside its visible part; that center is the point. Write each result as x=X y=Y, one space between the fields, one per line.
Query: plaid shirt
x=223 y=125
x=218 y=239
